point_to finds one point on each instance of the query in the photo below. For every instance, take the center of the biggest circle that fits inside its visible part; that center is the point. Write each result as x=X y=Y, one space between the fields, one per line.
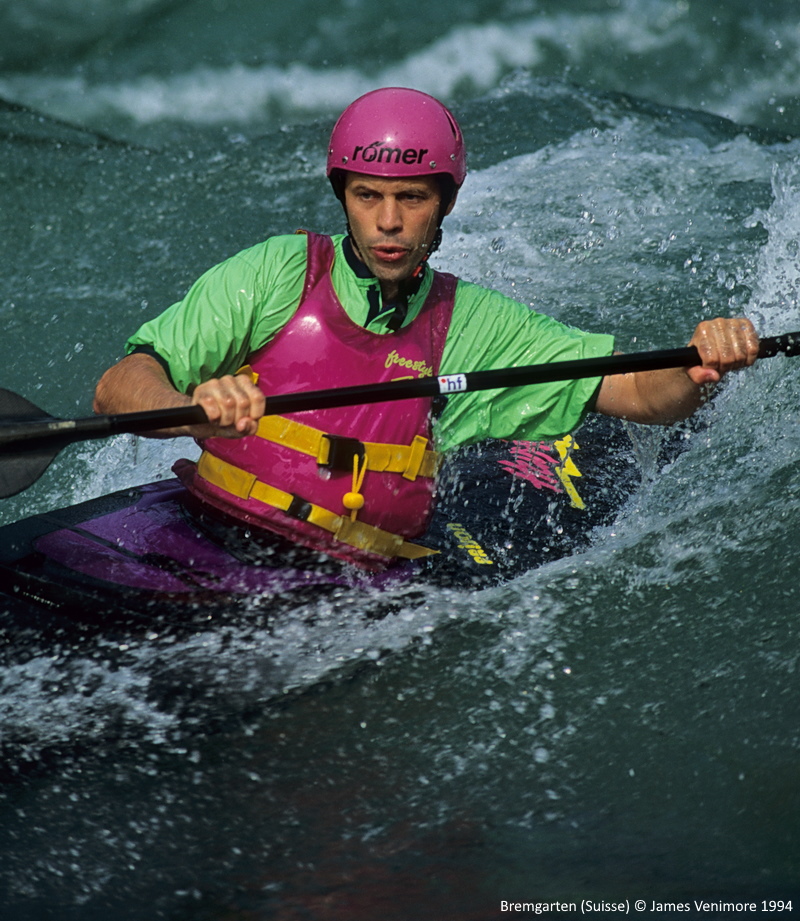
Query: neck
x=394 y=295
x=390 y=291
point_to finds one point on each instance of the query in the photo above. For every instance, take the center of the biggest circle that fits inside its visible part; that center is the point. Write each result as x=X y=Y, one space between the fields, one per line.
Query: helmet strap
x=435 y=244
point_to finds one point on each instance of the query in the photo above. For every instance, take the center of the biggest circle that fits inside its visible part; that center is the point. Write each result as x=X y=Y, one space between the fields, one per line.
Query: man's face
x=393 y=222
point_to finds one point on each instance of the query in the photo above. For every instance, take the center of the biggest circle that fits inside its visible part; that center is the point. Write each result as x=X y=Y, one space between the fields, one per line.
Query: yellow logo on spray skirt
x=567 y=469
x=467 y=542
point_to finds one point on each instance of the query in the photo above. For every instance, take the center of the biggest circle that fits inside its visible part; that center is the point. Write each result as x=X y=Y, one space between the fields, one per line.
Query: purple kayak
x=145 y=555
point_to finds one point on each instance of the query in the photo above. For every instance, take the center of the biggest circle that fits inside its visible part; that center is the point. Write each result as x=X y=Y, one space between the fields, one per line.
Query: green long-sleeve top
x=236 y=307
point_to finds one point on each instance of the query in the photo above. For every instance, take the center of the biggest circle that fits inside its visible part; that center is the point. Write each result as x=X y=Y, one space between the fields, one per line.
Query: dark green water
x=619 y=725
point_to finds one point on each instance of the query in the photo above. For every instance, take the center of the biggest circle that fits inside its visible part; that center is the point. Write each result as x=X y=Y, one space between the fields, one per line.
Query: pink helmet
x=397 y=133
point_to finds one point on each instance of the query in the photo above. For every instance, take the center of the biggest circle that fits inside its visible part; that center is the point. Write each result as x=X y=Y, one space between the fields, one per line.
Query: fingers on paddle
x=231 y=402
x=724 y=345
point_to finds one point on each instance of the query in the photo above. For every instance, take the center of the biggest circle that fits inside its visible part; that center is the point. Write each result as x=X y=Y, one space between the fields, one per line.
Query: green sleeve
x=229 y=312
x=489 y=331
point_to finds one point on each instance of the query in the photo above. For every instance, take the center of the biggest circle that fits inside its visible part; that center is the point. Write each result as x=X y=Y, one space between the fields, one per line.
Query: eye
x=361 y=193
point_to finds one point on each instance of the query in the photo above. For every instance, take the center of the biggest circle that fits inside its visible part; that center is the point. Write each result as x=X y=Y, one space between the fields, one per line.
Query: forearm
x=666 y=397
x=139 y=383
x=233 y=404
x=652 y=397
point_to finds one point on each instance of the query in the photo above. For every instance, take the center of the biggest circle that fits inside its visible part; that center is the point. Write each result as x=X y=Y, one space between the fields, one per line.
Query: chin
x=395 y=274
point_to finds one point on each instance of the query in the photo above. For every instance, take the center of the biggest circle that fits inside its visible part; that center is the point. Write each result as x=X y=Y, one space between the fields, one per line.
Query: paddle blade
x=20 y=469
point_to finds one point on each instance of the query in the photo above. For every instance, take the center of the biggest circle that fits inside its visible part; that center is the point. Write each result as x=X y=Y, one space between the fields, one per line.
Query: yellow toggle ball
x=353 y=501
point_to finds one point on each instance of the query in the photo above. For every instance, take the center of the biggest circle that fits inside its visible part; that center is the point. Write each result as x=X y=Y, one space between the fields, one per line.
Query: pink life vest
x=275 y=480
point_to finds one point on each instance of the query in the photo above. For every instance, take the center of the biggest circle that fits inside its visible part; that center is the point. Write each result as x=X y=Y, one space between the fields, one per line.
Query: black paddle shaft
x=21 y=429
x=527 y=375
x=30 y=438
x=22 y=423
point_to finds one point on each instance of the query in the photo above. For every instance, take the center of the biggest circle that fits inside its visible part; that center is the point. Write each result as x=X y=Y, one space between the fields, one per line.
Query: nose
x=389 y=216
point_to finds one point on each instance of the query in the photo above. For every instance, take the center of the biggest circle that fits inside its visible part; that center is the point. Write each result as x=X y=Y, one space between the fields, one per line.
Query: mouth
x=389 y=255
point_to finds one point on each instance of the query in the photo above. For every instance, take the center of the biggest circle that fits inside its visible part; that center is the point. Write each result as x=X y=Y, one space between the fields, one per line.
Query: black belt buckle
x=299 y=508
x=342 y=451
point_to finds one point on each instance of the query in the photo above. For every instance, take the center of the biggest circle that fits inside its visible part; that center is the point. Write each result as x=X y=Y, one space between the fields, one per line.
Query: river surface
x=620 y=724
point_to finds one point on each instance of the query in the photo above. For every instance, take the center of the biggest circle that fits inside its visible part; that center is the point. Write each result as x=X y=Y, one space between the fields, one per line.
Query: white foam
x=122 y=462
x=776 y=292
x=596 y=200
x=52 y=699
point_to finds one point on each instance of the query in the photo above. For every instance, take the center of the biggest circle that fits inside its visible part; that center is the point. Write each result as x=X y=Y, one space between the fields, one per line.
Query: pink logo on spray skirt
x=534 y=461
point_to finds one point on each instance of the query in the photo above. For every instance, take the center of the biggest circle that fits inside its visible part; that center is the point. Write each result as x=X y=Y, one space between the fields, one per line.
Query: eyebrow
x=365 y=185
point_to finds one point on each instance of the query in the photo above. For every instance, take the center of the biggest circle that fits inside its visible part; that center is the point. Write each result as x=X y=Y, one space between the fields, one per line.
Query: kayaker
x=310 y=311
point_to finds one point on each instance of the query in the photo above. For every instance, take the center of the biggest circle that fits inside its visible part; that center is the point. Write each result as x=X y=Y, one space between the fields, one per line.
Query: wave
x=657 y=50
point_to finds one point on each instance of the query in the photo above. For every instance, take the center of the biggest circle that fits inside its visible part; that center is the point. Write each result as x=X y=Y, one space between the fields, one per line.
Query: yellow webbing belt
x=245 y=485
x=411 y=460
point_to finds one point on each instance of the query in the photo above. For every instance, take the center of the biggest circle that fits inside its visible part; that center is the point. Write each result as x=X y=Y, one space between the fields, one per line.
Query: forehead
x=391 y=186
